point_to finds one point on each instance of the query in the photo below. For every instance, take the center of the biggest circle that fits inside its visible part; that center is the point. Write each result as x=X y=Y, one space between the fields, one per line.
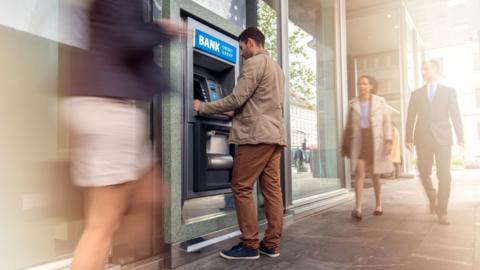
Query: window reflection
x=232 y=10
x=267 y=18
x=207 y=207
x=313 y=98
x=41 y=211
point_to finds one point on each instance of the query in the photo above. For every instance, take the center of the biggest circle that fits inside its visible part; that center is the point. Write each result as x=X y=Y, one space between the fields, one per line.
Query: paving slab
x=406 y=237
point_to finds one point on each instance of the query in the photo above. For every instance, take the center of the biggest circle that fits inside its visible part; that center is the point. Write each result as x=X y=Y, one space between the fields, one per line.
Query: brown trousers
x=252 y=162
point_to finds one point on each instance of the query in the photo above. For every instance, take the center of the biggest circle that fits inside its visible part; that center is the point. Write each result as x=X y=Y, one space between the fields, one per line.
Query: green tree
x=267 y=23
x=302 y=77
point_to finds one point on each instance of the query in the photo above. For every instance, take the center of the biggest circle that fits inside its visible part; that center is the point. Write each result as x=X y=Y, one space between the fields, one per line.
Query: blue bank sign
x=214 y=46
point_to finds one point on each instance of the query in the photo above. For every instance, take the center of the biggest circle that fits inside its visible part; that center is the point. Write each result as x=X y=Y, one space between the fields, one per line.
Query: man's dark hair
x=253 y=33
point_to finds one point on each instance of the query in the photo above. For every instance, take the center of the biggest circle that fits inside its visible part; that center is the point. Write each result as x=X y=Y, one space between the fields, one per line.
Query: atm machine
x=212 y=66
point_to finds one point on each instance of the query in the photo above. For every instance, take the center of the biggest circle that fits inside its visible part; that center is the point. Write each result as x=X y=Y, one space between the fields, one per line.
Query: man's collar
x=263 y=51
x=435 y=84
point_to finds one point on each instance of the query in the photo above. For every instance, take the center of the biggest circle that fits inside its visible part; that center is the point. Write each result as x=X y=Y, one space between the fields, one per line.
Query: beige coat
x=258 y=103
x=395 y=156
x=381 y=125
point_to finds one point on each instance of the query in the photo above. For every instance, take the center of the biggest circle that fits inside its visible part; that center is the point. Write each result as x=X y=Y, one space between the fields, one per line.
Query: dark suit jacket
x=432 y=121
x=120 y=60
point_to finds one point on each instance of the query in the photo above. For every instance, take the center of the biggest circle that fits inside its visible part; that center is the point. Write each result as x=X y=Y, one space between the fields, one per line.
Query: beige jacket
x=257 y=100
x=381 y=126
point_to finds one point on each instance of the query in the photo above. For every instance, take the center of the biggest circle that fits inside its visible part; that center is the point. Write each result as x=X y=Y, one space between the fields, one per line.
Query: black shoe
x=357 y=215
x=270 y=252
x=239 y=252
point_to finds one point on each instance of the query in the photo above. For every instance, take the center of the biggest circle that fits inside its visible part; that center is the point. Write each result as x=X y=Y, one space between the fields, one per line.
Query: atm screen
x=206 y=90
x=215 y=90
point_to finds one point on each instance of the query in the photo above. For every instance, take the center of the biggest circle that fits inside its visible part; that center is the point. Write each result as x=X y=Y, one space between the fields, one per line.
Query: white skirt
x=108 y=140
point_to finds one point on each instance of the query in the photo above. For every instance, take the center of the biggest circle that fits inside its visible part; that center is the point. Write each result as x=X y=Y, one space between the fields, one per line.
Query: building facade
x=308 y=39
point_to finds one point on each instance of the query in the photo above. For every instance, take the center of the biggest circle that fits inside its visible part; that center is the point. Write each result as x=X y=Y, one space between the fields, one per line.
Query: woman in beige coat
x=369 y=141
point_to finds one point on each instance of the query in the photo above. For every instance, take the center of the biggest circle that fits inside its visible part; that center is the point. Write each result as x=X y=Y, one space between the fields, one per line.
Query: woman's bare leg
x=105 y=207
x=377 y=187
x=359 y=181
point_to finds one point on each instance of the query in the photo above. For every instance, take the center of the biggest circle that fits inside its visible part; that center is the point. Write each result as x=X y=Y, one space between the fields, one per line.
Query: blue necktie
x=431 y=92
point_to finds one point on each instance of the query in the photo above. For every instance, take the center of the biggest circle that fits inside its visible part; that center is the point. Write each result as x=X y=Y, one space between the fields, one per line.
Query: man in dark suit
x=430 y=111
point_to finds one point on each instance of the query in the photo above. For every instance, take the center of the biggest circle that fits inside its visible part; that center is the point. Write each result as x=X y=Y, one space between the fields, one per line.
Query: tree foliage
x=302 y=77
x=267 y=22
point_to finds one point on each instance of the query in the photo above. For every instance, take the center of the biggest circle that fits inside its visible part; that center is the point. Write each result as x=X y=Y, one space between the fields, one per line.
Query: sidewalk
x=407 y=237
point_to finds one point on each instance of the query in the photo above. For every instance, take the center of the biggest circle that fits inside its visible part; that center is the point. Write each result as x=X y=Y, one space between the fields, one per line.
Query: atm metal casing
x=207 y=155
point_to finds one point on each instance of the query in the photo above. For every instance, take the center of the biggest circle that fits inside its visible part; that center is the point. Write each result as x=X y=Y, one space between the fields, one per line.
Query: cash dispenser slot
x=213 y=158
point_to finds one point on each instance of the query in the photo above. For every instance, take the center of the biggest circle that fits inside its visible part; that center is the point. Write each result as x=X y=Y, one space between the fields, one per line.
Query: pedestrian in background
x=430 y=110
x=367 y=141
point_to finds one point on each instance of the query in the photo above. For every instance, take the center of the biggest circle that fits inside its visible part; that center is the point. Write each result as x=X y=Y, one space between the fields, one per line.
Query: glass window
x=42 y=212
x=478 y=131
x=232 y=10
x=411 y=50
x=38 y=17
x=477 y=95
x=207 y=207
x=313 y=93
x=268 y=24
x=476 y=61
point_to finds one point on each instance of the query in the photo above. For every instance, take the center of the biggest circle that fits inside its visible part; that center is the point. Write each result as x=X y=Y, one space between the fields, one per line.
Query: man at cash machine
x=259 y=132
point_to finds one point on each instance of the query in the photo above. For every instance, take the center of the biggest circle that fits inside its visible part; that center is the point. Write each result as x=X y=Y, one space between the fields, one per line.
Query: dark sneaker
x=239 y=252
x=270 y=252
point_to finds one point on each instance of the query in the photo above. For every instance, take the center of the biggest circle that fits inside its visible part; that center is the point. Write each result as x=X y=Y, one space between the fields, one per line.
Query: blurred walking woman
x=368 y=141
x=112 y=83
